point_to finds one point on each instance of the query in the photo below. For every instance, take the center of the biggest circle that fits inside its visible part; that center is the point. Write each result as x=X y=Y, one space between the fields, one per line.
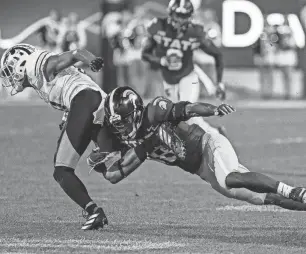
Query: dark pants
x=75 y=138
x=80 y=130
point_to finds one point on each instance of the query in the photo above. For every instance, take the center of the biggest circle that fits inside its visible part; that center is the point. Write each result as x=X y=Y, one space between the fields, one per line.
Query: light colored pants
x=188 y=89
x=219 y=160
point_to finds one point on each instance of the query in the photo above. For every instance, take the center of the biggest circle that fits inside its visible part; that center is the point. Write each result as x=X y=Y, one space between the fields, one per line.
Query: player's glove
x=224 y=109
x=220 y=92
x=101 y=161
x=96 y=64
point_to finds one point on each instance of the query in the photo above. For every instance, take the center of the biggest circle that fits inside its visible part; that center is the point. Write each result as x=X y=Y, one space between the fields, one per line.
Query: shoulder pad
x=159 y=110
x=35 y=63
x=154 y=25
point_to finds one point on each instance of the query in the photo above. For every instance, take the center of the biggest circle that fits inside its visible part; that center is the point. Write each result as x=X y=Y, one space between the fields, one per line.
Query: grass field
x=157 y=209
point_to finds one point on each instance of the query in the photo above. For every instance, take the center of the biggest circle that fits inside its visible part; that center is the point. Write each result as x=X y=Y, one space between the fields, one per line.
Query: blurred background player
x=71 y=35
x=276 y=49
x=170 y=44
x=207 y=71
x=286 y=53
x=49 y=33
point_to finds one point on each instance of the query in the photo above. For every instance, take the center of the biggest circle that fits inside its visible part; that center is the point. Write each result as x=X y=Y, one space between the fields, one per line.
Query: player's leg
x=189 y=90
x=220 y=162
x=74 y=139
x=279 y=200
x=219 y=159
x=261 y=183
x=171 y=91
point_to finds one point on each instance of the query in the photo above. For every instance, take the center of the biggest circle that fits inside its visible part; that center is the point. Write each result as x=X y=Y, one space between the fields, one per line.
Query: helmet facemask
x=13 y=75
x=180 y=21
x=128 y=125
x=13 y=67
x=124 y=112
x=180 y=14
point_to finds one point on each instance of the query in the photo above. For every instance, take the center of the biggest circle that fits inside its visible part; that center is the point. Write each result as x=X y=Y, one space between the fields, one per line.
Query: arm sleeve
x=163 y=110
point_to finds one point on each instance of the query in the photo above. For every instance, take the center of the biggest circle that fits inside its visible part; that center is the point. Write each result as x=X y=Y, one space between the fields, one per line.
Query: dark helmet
x=123 y=111
x=180 y=13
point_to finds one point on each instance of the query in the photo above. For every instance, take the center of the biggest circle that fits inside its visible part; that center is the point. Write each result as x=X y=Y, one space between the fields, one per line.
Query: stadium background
x=240 y=74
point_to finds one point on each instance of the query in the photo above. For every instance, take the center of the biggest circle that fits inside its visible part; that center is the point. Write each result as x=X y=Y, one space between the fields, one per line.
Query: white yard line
x=252 y=208
x=276 y=141
x=115 y=245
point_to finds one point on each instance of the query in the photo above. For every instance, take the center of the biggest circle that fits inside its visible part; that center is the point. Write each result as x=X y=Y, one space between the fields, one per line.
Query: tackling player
x=158 y=132
x=66 y=88
x=170 y=45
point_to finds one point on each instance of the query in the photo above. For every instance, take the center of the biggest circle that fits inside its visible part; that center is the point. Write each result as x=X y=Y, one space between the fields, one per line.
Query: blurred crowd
x=62 y=33
x=123 y=30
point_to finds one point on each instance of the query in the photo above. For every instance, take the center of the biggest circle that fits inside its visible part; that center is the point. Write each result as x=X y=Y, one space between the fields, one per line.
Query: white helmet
x=13 y=61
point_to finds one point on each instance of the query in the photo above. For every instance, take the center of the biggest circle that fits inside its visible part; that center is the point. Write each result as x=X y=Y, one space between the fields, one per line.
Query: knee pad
x=60 y=171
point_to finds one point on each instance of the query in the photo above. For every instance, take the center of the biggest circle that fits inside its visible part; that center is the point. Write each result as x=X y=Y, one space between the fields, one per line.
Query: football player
x=159 y=132
x=67 y=88
x=170 y=45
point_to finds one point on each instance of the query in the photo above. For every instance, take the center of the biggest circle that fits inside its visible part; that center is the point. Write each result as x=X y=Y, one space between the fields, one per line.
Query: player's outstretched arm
x=115 y=167
x=206 y=110
x=62 y=61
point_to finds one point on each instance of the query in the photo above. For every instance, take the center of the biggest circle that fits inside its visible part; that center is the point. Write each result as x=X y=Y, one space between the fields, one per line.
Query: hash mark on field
x=277 y=141
x=252 y=208
x=115 y=245
x=296 y=140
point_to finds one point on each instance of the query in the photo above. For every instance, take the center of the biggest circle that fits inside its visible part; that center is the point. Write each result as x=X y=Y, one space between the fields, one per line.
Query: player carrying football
x=66 y=88
x=170 y=45
x=158 y=132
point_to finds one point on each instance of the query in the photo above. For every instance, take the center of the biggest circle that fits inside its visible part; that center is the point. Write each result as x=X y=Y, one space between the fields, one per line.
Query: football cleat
x=95 y=220
x=298 y=194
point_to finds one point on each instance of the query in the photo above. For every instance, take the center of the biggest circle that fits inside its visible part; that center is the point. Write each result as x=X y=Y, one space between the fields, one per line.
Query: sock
x=91 y=207
x=284 y=189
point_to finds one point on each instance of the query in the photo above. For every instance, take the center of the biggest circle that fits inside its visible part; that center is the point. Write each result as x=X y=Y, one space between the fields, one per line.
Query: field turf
x=157 y=209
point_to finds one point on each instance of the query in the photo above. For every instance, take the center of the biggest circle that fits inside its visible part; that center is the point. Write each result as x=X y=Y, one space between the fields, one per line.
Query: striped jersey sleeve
x=35 y=67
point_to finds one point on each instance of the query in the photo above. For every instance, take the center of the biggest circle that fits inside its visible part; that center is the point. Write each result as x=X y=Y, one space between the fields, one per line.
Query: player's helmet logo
x=123 y=112
x=13 y=61
x=180 y=13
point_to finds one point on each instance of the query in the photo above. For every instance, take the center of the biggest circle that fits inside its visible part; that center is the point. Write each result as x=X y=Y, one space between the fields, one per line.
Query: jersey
x=60 y=89
x=172 y=143
x=177 y=46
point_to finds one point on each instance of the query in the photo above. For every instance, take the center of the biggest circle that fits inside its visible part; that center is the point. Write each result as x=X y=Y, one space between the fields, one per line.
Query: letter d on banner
x=230 y=39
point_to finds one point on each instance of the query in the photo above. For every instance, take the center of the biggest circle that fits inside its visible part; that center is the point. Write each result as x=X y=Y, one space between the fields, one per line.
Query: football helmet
x=124 y=111
x=180 y=13
x=13 y=61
